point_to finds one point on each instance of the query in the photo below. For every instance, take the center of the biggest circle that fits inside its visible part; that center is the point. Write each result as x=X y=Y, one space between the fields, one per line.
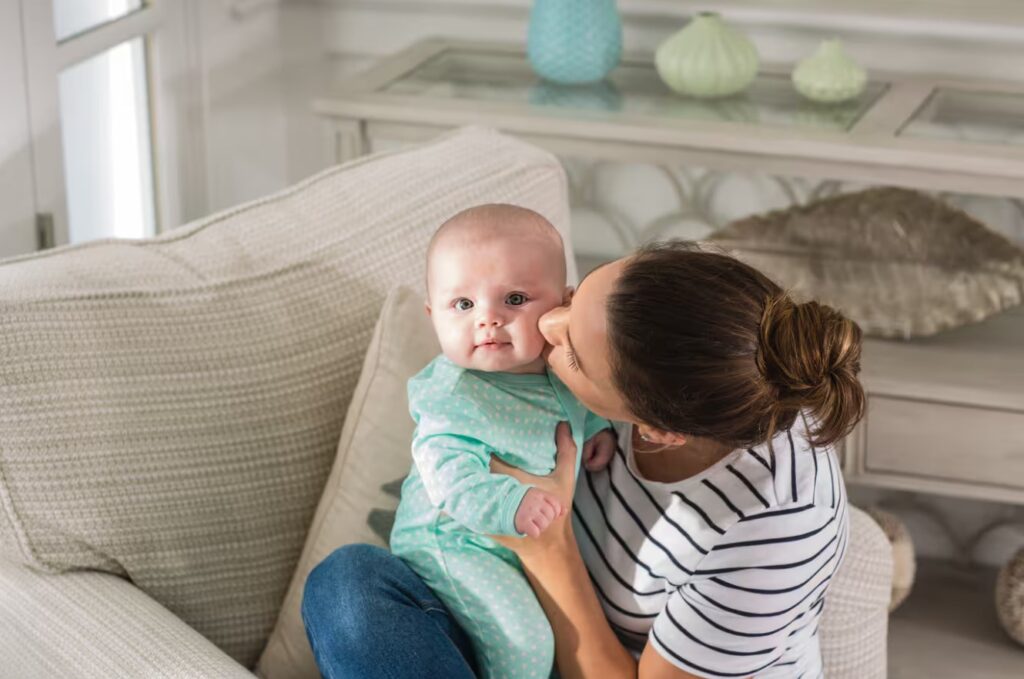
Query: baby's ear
x=567 y=295
x=426 y=305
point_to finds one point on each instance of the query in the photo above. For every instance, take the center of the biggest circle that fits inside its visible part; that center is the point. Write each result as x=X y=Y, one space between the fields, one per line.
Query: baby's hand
x=536 y=512
x=598 y=450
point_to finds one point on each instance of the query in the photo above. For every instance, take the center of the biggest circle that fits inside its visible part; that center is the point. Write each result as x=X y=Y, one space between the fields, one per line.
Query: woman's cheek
x=559 y=366
x=550 y=324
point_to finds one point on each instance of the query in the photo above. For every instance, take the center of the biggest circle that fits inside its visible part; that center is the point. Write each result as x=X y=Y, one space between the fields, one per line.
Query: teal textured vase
x=600 y=96
x=574 y=41
x=707 y=59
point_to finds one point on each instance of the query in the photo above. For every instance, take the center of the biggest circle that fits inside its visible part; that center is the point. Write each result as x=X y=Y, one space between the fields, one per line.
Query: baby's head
x=492 y=271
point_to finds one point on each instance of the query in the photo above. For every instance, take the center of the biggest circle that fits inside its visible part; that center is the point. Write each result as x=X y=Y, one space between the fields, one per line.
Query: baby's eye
x=516 y=299
x=463 y=304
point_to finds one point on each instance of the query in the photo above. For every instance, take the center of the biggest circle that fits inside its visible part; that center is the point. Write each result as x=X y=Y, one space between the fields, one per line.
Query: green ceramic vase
x=829 y=75
x=707 y=58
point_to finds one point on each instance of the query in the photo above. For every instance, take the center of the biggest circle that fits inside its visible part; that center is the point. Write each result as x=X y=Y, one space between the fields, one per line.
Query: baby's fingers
x=598 y=460
x=555 y=505
x=547 y=510
x=539 y=524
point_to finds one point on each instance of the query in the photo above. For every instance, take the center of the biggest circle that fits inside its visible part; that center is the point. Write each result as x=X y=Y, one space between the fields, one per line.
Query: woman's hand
x=561 y=483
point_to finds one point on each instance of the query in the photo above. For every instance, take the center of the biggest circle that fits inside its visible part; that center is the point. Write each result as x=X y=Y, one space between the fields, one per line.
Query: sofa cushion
x=170 y=408
x=362 y=491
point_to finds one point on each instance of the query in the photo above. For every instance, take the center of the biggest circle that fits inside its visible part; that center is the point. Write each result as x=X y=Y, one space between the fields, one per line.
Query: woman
x=706 y=547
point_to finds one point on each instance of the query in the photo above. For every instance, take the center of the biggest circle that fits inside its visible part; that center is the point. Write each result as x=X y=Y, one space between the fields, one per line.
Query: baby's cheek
x=456 y=347
x=530 y=339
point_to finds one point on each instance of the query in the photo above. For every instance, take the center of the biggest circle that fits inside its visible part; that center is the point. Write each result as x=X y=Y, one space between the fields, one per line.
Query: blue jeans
x=369 y=616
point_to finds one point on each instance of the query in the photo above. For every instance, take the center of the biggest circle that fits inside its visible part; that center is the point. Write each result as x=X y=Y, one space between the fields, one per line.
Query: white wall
x=262 y=62
x=17 y=204
x=232 y=141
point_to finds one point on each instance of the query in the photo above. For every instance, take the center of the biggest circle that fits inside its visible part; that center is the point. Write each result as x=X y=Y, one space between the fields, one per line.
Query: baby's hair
x=496 y=220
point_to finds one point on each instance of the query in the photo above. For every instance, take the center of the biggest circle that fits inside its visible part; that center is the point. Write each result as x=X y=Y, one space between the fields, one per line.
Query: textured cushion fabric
x=855 y=624
x=97 y=626
x=170 y=408
x=373 y=457
x=359 y=500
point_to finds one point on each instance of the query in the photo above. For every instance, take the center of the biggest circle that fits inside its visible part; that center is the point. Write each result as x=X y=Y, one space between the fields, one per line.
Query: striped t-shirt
x=725 y=572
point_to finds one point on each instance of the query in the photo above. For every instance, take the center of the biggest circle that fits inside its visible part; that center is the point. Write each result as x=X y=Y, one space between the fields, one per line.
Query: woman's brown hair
x=705 y=345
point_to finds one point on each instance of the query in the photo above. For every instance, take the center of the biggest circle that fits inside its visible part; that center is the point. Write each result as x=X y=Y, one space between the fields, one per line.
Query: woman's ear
x=665 y=438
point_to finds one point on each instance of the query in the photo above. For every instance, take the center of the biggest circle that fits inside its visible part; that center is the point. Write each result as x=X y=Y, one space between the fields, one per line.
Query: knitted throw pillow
x=900 y=263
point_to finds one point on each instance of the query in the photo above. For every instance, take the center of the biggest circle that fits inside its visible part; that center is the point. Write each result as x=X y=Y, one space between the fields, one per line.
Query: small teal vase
x=574 y=41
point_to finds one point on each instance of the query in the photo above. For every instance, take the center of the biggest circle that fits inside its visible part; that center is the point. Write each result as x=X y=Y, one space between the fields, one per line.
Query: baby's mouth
x=492 y=344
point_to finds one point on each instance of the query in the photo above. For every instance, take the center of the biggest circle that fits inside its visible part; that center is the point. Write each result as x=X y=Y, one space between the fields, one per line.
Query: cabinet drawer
x=947 y=442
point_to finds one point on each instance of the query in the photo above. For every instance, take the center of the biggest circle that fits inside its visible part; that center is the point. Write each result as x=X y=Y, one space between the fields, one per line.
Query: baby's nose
x=489 y=319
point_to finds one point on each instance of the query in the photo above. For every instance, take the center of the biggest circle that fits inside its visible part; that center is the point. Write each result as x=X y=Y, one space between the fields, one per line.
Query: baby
x=492 y=271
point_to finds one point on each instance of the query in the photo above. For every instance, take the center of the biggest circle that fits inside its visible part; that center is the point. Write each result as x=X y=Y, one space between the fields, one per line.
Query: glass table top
x=984 y=117
x=633 y=87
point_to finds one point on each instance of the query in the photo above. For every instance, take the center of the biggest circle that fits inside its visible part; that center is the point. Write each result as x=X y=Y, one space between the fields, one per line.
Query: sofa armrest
x=855 y=623
x=90 y=624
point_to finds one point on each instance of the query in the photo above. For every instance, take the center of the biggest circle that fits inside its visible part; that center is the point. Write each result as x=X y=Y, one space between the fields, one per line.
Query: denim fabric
x=368 y=615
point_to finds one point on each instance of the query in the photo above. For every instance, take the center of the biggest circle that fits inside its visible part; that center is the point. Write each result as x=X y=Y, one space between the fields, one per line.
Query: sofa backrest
x=170 y=408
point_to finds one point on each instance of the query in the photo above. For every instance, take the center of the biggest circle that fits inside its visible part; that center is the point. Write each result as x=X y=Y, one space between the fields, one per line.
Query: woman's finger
x=499 y=466
x=565 y=462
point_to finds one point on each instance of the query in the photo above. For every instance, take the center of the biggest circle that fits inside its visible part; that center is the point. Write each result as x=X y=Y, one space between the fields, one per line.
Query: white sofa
x=170 y=411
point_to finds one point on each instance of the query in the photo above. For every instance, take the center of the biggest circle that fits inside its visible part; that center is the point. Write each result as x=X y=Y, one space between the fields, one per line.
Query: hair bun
x=810 y=354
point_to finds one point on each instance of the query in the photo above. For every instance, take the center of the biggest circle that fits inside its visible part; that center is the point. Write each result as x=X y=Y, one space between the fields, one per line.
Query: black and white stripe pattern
x=724 y=573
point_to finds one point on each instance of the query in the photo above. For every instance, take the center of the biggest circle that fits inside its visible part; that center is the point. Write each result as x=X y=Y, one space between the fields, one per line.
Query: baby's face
x=486 y=297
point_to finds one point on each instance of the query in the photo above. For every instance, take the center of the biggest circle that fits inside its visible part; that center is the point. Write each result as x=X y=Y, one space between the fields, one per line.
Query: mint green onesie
x=451 y=502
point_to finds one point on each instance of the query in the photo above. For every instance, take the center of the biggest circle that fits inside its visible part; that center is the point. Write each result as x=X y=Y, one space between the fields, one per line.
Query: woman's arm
x=585 y=645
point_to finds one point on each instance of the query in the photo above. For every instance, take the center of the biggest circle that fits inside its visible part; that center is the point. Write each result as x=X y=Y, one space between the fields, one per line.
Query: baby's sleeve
x=593 y=425
x=457 y=478
x=452 y=458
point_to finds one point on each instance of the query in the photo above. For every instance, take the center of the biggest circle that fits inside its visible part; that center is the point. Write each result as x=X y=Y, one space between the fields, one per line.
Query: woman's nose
x=552 y=325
